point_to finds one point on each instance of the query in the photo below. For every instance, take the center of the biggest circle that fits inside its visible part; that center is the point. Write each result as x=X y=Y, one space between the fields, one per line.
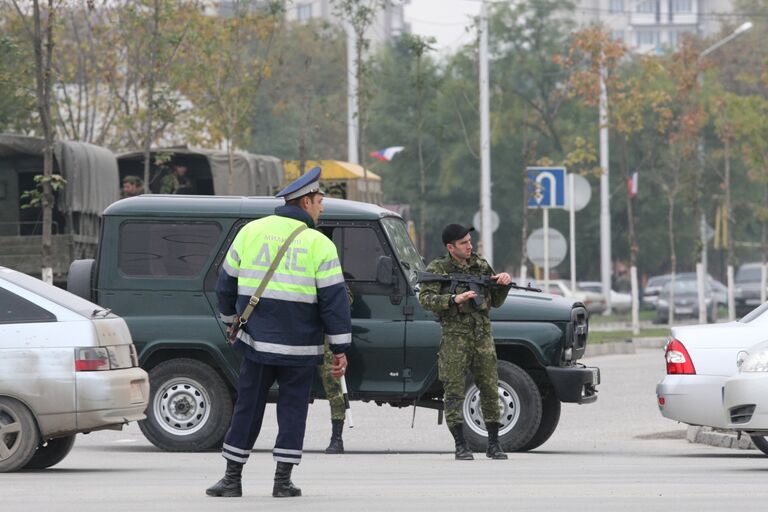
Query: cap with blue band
x=309 y=183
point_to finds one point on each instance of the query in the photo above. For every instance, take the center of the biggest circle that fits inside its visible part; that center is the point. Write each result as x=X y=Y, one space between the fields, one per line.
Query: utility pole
x=485 y=142
x=605 y=197
x=352 y=86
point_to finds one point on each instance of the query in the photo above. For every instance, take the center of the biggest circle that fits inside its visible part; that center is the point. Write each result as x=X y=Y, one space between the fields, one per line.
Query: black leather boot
x=337 y=444
x=231 y=485
x=283 y=487
x=494 y=450
x=462 y=450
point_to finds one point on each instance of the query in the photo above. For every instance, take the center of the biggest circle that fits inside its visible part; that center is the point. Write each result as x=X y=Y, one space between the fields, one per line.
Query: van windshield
x=409 y=257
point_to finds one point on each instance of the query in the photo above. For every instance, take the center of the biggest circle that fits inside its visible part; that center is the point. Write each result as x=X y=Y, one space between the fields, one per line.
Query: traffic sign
x=477 y=221
x=546 y=187
x=535 y=247
x=582 y=193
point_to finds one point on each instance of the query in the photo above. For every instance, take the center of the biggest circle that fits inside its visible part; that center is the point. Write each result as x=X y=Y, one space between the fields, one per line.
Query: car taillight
x=678 y=360
x=134 y=356
x=91 y=359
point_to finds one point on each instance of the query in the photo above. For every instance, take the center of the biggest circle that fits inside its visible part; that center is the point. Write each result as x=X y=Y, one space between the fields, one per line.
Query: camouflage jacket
x=436 y=297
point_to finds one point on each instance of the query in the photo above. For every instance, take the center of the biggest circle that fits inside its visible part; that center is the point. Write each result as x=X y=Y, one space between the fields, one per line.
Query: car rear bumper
x=111 y=398
x=575 y=384
x=692 y=399
x=745 y=401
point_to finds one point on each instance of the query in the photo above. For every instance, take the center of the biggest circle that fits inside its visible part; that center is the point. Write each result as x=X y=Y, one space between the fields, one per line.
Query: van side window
x=17 y=310
x=359 y=249
x=169 y=248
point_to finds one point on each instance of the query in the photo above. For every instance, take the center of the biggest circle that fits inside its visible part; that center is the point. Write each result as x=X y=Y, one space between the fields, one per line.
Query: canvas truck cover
x=91 y=173
x=252 y=175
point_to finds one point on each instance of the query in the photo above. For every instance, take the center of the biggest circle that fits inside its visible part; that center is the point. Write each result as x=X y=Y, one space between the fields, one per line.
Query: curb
x=623 y=347
x=719 y=438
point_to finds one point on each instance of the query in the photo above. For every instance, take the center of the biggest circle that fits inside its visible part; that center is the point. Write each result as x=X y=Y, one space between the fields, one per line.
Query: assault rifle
x=472 y=282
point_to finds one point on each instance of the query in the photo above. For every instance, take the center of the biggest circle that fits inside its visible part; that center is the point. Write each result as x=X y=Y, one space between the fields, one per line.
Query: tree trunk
x=305 y=125
x=728 y=213
x=230 y=168
x=359 y=57
x=151 y=81
x=43 y=48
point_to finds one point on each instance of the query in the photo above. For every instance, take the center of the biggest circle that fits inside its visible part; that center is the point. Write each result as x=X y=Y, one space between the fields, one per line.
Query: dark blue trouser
x=295 y=384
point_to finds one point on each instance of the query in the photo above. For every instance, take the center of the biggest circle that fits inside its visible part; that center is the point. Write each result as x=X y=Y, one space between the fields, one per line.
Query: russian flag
x=386 y=154
x=632 y=185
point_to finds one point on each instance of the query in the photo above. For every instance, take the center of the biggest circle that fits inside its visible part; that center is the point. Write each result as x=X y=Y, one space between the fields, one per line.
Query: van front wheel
x=189 y=407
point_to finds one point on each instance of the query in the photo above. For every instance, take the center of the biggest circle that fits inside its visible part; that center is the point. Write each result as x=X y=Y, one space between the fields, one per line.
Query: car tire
x=189 y=409
x=550 y=417
x=521 y=405
x=760 y=442
x=18 y=434
x=51 y=452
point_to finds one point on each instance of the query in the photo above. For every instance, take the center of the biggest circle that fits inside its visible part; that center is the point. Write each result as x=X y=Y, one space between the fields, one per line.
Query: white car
x=620 y=302
x=745 y=396
x=594 y=302
x=700 y=358
x=66 y=366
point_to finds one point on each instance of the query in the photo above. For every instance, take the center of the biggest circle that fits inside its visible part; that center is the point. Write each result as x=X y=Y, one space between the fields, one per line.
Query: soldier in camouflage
x=335 y=398
x=467 y=344
x=333 y=393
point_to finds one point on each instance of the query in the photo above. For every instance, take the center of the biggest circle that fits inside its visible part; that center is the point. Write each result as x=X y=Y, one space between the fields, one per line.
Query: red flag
x=632 y=185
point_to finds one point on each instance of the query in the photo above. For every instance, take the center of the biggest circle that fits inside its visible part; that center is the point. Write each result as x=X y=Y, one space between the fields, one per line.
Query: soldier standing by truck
x=467 y=344
x=282 y=340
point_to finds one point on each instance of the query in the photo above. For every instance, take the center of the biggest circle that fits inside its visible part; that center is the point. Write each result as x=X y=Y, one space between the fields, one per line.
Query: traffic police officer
x=467 y=344
x=282 y=340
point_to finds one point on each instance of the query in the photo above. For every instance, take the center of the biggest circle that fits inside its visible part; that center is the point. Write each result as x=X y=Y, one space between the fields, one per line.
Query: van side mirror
x=384 y=270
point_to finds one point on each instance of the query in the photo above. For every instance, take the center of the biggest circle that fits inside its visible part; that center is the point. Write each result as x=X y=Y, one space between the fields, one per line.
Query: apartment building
x=647 y=26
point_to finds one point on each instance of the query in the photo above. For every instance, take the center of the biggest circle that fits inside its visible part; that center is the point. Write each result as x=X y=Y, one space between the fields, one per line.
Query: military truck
x=157 y=267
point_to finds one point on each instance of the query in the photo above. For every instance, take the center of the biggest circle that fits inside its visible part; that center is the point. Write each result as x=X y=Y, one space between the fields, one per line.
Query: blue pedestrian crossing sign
x=546 y=187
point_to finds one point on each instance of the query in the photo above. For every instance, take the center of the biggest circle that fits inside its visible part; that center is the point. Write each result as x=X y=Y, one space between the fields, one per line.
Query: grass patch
x=645 y=314
x=597 y=337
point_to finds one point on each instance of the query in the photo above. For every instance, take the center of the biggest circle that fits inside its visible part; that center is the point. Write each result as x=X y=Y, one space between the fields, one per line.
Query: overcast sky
x=446 y=20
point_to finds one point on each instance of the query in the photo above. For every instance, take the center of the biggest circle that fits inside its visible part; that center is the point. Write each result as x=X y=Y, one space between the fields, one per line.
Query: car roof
x=235 y=206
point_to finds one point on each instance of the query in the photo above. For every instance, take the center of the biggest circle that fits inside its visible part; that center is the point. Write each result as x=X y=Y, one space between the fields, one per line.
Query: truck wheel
x=760 y=442
x=550 y=417
x=18 y=435
x=51 y=452
x=520 y=404
x=189 y=407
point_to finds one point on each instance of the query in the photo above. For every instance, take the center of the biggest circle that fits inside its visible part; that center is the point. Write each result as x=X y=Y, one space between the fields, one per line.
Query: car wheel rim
x=182 y=407
x=509 y=404
x=10 y=434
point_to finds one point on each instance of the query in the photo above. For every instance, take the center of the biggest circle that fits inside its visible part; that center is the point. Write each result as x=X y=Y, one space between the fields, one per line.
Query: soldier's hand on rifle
x=464 y=297
x=339 y=365
x=503 y=279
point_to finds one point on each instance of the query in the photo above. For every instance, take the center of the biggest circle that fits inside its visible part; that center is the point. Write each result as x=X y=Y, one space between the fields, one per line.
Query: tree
x=418 y=47
x=360 y=14
x=39 y=25
x=403 y=108
x=17 y=79
x=296 y=114
x=226 y=68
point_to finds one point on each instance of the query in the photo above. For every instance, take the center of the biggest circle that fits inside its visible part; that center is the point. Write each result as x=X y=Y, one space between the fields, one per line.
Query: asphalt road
x=618 y=453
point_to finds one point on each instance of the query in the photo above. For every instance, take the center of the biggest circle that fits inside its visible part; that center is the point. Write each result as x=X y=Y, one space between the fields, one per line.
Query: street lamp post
x=741 y=29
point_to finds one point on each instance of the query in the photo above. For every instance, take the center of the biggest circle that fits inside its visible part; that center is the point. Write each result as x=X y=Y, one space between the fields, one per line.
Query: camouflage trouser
x=474 y=352
x=331 y=386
